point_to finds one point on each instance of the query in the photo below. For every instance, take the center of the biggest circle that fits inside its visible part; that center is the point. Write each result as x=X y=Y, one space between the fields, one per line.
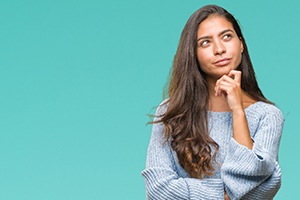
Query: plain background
x=77 y=79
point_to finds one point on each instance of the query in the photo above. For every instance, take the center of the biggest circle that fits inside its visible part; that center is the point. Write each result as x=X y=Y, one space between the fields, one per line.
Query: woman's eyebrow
x=225 y=31
x=221 y=33
x=204 y=37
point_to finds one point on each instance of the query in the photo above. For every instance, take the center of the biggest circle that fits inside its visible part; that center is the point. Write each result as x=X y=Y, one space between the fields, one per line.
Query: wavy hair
x=185 y=120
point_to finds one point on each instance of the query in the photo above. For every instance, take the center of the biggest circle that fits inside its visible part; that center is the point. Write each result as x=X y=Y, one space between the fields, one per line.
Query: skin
x=226 y=197
x=219 y=53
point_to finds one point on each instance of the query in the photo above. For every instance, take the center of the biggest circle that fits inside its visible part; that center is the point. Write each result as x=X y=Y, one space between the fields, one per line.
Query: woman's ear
x=242 y=45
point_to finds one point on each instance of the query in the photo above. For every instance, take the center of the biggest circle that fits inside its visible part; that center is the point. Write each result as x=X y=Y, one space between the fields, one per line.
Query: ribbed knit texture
x=242 y=172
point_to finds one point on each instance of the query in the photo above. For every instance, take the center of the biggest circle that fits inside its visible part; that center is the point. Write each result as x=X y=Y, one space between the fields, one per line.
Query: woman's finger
x=236 y=74
x=227 y=81
x=222 y=83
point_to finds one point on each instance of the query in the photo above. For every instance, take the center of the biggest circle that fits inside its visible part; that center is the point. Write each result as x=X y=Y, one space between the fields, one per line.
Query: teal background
x=77 y=79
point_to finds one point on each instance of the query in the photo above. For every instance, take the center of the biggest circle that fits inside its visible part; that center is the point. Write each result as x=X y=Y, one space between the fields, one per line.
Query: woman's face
x=219 y=49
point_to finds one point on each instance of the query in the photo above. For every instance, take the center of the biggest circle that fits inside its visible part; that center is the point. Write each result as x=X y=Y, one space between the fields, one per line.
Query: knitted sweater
x=242 y=172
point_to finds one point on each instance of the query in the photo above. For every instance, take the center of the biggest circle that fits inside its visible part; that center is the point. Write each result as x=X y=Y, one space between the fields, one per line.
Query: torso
x=220 y=129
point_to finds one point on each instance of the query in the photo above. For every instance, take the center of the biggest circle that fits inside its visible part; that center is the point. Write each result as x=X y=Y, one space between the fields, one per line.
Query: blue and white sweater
x=242 y=172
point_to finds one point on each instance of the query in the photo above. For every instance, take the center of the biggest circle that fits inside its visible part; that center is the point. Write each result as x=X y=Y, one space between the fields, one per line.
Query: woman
x=216 y=136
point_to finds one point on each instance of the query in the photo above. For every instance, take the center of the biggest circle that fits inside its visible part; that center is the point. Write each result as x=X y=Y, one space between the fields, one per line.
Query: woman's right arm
x=161 y=177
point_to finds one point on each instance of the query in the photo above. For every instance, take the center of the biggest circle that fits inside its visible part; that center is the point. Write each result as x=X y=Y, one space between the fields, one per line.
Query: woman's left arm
x=250 y=167
x=230 y=86
x=255 y=172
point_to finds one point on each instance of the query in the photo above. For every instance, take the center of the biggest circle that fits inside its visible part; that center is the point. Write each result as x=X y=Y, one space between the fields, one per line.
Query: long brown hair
x=185 y=120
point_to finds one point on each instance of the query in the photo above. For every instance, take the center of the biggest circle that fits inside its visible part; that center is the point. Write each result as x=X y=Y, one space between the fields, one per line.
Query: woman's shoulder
x=162 y=107
x=264 y=109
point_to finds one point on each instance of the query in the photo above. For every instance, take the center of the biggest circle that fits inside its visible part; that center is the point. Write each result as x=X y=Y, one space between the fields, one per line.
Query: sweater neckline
x=229 y=112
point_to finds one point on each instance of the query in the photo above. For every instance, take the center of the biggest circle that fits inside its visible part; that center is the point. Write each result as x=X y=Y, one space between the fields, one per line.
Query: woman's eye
x=227 y=37
x=204 y=43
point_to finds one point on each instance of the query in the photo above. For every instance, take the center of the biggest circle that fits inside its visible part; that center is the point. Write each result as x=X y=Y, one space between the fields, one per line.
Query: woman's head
x=190 y=32
x=187 y=64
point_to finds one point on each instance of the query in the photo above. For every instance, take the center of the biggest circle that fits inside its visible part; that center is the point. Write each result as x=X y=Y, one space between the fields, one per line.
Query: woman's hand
x=230 y=86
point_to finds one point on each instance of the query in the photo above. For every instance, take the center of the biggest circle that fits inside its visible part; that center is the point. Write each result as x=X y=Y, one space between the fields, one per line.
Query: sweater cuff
x=245 y=161
x=210 y=188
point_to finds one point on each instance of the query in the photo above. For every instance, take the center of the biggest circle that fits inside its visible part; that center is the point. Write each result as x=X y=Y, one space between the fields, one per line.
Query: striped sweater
x=242 y=172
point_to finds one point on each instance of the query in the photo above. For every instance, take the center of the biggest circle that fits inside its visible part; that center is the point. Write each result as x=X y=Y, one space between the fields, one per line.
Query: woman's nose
x=219 y=48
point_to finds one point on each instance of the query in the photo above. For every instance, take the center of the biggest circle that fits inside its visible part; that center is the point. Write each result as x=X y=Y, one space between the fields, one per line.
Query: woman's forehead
x=214 y=25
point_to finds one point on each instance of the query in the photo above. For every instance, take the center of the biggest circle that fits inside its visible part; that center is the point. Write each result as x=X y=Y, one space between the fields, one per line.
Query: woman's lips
x=222 y=62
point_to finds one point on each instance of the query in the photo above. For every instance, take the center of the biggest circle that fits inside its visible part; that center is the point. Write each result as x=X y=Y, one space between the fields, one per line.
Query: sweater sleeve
x=268 y=189
x=162 y=179
x=249 y=173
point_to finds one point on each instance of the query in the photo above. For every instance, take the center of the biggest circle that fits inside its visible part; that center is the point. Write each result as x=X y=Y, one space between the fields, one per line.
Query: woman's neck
x=218 y=103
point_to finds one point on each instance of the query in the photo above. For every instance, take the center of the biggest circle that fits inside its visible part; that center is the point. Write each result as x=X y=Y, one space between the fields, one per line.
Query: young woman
x=216 y=136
